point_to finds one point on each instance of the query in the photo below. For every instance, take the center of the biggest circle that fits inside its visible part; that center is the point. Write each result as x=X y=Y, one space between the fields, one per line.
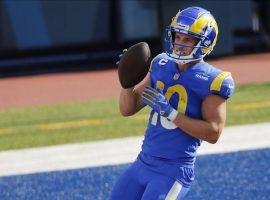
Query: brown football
x=134 y=65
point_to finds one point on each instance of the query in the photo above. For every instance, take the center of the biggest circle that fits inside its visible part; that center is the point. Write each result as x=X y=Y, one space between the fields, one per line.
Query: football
x=134 y=64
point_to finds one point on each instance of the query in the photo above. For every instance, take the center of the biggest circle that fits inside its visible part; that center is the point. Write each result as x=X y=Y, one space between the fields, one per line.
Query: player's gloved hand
x=158 y=102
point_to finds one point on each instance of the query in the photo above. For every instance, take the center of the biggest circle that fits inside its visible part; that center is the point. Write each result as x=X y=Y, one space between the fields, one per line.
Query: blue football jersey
x=185 y=90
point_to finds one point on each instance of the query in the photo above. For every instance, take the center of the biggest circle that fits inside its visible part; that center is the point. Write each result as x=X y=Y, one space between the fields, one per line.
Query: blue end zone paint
x=241 y=175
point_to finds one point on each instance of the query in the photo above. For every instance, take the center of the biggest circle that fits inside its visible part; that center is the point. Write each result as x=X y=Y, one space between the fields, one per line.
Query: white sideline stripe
x=119 y=151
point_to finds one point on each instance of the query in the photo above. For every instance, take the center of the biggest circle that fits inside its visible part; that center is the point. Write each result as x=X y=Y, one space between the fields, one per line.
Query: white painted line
x=119 y=151
x=239 y=138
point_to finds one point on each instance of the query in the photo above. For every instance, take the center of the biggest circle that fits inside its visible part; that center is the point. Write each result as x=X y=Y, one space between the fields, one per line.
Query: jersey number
x=182 y=103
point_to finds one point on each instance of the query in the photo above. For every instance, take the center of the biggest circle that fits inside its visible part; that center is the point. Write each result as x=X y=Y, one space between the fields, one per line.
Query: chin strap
x=182 y=62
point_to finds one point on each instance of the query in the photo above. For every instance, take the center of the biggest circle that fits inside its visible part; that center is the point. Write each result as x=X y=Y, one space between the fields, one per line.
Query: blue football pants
x=141 y=183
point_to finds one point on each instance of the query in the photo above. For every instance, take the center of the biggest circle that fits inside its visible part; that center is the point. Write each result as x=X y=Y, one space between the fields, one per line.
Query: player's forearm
x=201 y=129
x=129 y=102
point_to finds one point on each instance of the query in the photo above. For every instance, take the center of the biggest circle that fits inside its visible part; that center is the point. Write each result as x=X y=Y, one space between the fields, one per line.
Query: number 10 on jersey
x=182 y=103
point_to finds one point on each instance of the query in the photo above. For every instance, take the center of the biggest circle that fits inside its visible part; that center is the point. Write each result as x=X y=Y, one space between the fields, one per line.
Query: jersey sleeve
x=223 y=85
x=153 y=69
x=154 y=63
x=158 y=70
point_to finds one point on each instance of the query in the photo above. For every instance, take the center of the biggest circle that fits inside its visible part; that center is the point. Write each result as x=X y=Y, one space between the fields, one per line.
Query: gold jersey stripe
x=217 y=82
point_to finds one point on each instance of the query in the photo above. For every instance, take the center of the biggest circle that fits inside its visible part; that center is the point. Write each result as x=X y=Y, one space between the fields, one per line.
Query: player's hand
x=158 y=102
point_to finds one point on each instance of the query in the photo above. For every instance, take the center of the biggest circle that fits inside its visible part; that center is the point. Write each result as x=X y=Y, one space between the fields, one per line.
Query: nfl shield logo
x=176 y=76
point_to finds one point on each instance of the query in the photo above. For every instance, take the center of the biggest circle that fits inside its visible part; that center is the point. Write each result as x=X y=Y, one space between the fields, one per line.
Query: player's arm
x=130 y=101
x=214 y=117
x=213 y=114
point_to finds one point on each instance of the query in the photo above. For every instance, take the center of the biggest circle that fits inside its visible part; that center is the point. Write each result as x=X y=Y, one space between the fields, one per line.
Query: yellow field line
x=97 y=122
x=6 y=131
x=252 y=105
x=71 y=124
x=141 y=117
x=58 y=125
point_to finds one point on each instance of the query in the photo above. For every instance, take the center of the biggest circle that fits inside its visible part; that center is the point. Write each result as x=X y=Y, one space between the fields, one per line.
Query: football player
x=188 y=101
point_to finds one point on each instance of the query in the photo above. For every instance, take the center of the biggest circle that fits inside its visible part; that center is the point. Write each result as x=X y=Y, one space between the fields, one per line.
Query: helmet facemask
x=180 y=56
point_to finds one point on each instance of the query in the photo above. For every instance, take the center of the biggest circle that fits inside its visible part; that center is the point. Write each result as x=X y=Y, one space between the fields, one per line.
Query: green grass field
x=98 y=120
